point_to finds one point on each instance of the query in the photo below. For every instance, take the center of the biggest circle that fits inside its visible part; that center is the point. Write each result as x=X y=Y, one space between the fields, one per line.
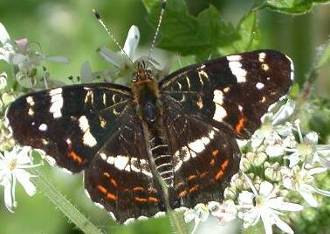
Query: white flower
x=302 y=181
x=120 y=59
x=264 y=205
x=225 y=212
x=6 y=48
x=273 y=133
x=26 y=59
x=13 y=167
x=200 y=213
x=308 y=151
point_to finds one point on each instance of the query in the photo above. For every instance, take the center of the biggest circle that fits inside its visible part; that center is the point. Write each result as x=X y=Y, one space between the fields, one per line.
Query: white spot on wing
x=54 y=92
x=260 y=85
x=264 y=67
x=30 y=100
x=121 y=162
x=103 y=156
x=234 y=58
x=291 y=67
x=188 y=82
x=240 y=108
x=31 y=112
x=226 y=90
x=186 y=153
x=88 y=138
x=237 y=70
x=218 y=97
x=262 y=57
x=89 y=97
x=56 y=102
x=202 y=75
x=111 y=160
x=220 y=113
x=83 y=123
x=43 y=127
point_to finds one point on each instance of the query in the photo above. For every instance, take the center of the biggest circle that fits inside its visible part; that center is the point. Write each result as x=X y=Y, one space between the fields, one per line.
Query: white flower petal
x=324 y=162
x=267 y=222
x=309 y=198
x=279 y=204
x=284 y=112
x=225 y=212
x=307 y=187
x=275 y=150
x=265 y=188
x=9 y=196
x=86 y=72
x=112 y=57
x=257 y=139
x=189 y=216
x=282 y=225
x=317 y=170
x=250 y=217
x=288 y=183
x=323 y=148
x=22 y=155
x=294 y=159
x=311 y=138
x=246 y=198
x=284 y=130
x=4 y=36
x=23 y=178
x=132 y=41
x=5 y=55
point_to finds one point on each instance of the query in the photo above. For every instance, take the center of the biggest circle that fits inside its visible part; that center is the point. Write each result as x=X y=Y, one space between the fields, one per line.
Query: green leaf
x=249 y=34
x=149 y=4
x=293 y=6
x=201 y=35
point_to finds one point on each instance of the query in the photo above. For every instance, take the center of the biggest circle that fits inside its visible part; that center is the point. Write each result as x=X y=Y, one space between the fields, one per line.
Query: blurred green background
x=69 y=28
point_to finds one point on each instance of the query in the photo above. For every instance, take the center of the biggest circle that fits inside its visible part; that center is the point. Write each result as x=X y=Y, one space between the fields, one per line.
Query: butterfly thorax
x=146 y=96
x=149 y=109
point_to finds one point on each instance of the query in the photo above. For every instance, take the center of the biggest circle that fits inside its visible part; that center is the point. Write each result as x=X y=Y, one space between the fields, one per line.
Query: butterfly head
x=142 y=74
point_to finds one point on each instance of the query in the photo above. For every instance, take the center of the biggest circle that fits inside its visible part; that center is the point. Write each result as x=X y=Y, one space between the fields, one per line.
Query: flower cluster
x=26 y=60
x=279 y=162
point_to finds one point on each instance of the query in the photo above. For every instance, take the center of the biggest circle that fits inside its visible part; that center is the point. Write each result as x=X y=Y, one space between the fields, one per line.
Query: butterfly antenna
x=160 y=19
x=108 y=30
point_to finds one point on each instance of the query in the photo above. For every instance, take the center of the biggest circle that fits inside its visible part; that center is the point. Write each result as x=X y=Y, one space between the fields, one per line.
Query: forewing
x=235 y=90
x=70 y=123
x=204 y=159
x=119 y=177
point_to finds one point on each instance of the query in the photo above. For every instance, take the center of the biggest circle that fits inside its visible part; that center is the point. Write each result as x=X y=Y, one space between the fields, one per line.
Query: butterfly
x=182 y=129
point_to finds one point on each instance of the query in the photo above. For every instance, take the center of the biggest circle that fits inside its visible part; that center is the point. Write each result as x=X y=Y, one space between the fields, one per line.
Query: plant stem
x=67 y=208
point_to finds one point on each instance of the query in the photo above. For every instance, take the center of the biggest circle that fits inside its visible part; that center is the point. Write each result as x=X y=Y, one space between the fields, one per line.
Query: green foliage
x=249 y=35
x=186 y=34
x=293 y=6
